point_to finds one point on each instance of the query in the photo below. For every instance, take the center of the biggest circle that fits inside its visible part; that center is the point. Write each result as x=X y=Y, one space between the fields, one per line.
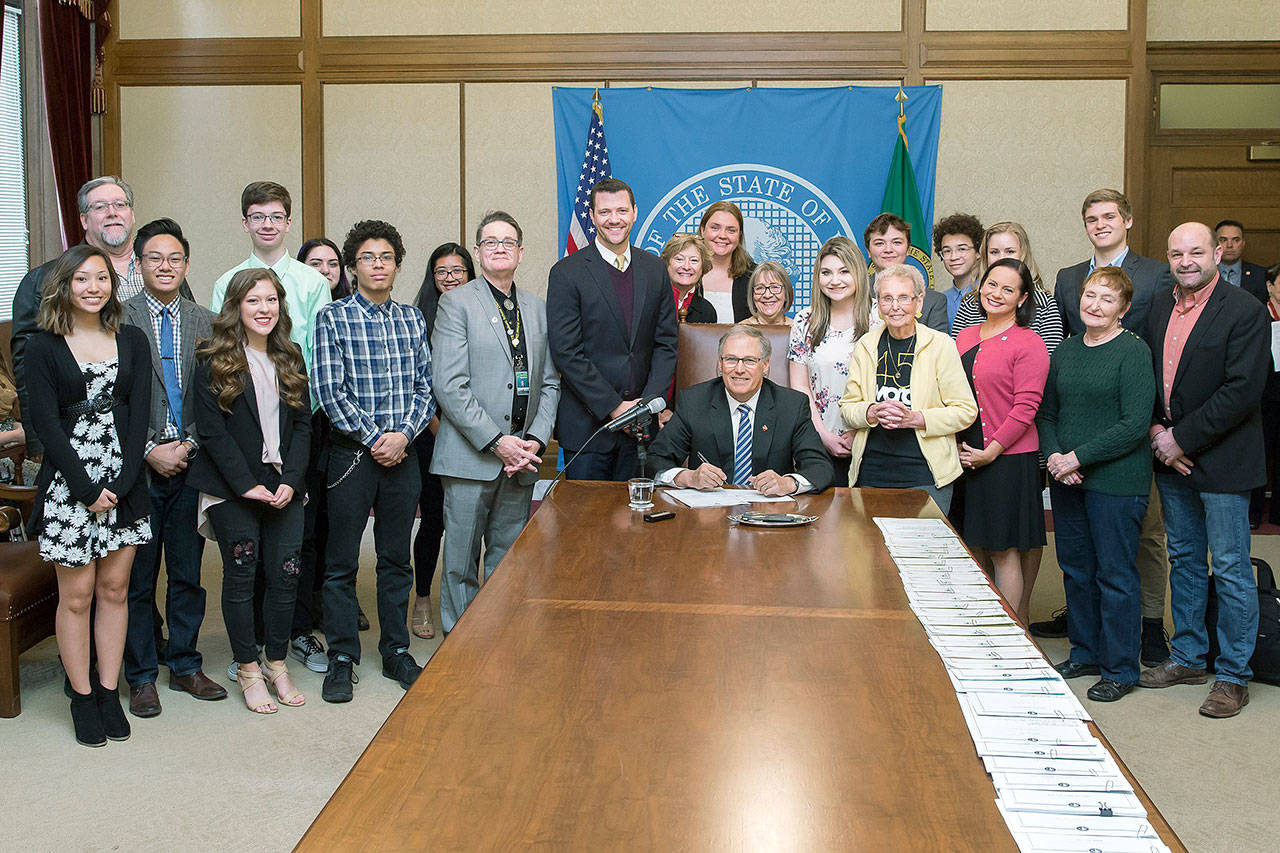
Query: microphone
x=643 y=409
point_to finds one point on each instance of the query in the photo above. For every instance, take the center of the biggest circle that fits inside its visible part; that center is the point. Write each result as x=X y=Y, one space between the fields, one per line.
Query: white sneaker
x=233 y=667
x=308 y=649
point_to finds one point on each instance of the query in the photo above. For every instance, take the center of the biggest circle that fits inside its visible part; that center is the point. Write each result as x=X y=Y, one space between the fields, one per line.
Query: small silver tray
x=773 y=519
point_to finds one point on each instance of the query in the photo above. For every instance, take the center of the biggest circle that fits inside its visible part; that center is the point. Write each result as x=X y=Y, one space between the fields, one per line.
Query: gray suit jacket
x=197 y=325
x=1147 y=274
x=472 y=378
x=934 y=311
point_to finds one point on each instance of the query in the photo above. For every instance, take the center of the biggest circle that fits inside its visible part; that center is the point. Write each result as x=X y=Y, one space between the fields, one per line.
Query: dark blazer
x=601 y=363
x=934 y=311
x=1253 y=278
x=784 y=441
x=196 y=323
x=741 y=297
x=26 y=305
x=230 y=459
x=1217 y=391
x=54 y=382
x=1148 y=275
x=700 y=310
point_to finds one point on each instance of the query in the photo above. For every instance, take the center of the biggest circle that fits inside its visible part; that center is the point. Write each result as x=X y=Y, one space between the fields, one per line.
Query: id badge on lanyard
x=522 y=377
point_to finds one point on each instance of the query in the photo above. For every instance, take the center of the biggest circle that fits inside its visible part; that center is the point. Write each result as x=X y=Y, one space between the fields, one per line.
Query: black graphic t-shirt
x=892 y=459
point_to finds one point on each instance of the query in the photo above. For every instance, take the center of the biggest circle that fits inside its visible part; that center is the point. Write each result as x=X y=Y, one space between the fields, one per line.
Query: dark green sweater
x=1098 y=402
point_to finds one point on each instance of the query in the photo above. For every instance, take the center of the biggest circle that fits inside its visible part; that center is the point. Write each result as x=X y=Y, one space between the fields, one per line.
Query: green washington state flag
x=902 y=197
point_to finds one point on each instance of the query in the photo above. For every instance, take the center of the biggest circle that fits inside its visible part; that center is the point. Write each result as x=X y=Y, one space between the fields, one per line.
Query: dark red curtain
x=72 y=90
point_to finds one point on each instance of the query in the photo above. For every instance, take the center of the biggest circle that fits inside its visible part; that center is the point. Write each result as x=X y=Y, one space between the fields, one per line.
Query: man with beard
x=106 y=214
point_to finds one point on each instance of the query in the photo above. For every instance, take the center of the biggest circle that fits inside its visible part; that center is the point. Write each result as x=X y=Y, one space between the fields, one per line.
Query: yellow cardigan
x=939 y=389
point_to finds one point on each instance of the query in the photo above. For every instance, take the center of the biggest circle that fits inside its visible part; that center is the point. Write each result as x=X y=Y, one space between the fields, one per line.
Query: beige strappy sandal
x=294 y=697
x=247 y=678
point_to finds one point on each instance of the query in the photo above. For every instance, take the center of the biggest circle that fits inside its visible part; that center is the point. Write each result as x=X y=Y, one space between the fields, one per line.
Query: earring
x=919 y=314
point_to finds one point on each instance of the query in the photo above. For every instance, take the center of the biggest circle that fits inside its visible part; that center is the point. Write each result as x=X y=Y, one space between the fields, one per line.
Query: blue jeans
x=1096 y=539
x=1197 y=524
x=173 y=536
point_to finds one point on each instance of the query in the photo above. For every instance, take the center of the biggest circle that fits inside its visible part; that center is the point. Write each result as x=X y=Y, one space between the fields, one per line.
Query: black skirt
x=1003 y=504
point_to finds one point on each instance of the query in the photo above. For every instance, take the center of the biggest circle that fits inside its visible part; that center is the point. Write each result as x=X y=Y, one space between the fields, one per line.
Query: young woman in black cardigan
x=253 y=419
x=90 y=396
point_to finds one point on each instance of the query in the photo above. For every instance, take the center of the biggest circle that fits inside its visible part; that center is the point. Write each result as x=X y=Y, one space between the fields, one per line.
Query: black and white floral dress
x=72 y=535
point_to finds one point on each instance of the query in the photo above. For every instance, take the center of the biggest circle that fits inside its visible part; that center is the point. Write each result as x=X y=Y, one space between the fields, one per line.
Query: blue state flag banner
x=803 y=164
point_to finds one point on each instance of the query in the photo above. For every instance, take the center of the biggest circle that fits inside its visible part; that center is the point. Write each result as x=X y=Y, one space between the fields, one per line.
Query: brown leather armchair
x=697 y=348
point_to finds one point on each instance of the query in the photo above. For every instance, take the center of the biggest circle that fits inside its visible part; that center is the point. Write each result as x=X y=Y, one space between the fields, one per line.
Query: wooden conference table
x=681 y=685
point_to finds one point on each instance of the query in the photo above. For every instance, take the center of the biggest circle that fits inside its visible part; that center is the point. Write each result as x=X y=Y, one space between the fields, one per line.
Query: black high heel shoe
x=87 y=720
x=115 y=725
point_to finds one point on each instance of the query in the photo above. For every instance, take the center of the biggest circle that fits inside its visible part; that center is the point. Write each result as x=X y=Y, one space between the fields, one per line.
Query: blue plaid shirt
x=372 y=368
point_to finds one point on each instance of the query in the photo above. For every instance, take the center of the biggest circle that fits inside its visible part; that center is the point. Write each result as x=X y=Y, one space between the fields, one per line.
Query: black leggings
x=248 y=531
x=426 y=544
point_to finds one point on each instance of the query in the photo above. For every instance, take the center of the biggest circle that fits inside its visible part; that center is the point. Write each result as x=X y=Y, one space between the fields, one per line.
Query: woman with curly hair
x=253 y=419
x=90 y=384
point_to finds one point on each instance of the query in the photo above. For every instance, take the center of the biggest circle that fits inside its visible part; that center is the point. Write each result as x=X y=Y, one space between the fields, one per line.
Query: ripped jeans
x=249 y=532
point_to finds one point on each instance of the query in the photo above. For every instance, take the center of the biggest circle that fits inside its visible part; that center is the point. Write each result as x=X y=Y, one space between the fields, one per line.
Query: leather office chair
x=697 y=347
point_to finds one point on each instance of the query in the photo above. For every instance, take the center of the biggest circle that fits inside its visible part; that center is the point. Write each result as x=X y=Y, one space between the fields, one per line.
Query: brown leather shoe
x=198 y=685
x=1226 y=699
x=1169 y=673
x=144 y=701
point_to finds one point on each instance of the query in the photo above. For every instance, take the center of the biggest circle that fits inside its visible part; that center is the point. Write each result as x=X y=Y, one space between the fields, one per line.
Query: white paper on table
x=955 y=654
x=960 y=593
x=1022 y=749
x=1007 y=641
x=979 y=666
x=912 y=526
x=1114 y=804
x=998 y=705
x=1010 y=630
x=1033 y=732
x=1101 y=784
x=958 y=609
x=943 y=582
x=1004 y=676
x=1052 y=766
x=1073 y=825
x=1020 y=687
x=695 y=499
x=941 y=618
x=1048 y=842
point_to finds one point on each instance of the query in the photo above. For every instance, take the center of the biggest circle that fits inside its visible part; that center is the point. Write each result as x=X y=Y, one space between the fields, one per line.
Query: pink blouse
x=1009 y=372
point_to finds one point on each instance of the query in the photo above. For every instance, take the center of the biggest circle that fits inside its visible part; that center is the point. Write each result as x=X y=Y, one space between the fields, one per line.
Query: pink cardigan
x=1009 y=372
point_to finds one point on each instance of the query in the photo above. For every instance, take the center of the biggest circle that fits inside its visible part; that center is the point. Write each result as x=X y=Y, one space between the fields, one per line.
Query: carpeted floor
x=212 y=776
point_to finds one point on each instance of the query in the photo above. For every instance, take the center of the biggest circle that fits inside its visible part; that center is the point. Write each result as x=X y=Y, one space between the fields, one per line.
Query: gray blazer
x=471 y=375
x=197 y=325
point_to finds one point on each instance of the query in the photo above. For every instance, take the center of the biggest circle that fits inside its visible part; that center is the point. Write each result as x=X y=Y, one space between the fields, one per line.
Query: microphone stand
x=643 y=422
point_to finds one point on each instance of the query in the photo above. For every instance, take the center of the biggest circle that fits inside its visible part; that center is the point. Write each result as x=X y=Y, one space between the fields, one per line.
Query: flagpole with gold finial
x=901 y=98
x=596 y=106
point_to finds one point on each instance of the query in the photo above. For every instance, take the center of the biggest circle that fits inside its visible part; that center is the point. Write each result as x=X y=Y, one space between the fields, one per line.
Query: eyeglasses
x=888 y=301
x=386 y=259
x=152 y=259
x=775 y=289
x=117 y=206
x=948 y=251
x=450 y=272
x=735 y=360
x=489 y=244
x=273 y=218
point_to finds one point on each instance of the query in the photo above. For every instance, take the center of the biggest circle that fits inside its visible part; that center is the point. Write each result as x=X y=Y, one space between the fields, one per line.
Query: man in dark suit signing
x=1211 y=355
x=1234 y=268
x=742 y=429
x=611 y=325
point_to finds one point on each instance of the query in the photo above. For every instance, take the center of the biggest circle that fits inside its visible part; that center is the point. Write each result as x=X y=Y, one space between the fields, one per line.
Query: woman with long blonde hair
x=253 y=419
x=1010 y=240
x=822 y=339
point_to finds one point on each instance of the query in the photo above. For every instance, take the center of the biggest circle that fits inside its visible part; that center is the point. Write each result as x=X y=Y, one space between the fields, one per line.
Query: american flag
x=595 y=167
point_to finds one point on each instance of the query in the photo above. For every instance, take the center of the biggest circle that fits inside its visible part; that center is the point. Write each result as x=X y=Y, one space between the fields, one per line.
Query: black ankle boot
x=87 y=720
x=114 y=723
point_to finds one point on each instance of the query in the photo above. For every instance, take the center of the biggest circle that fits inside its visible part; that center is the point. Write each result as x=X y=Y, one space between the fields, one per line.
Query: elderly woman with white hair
x=907 y=396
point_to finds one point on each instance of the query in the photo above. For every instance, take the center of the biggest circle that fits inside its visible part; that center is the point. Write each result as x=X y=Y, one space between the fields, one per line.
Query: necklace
x=910 y=348
x=512 y=334
x=1103 y=338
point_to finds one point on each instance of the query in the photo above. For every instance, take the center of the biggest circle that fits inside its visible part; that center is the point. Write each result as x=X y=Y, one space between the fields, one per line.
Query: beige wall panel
x=166 y=19
x=820 y=84
x=396 y=17
x=515 y=172
x=1212 y=20
x=188 y=151
x=1015 y=150
x=406 y=173
x=1021 y=15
